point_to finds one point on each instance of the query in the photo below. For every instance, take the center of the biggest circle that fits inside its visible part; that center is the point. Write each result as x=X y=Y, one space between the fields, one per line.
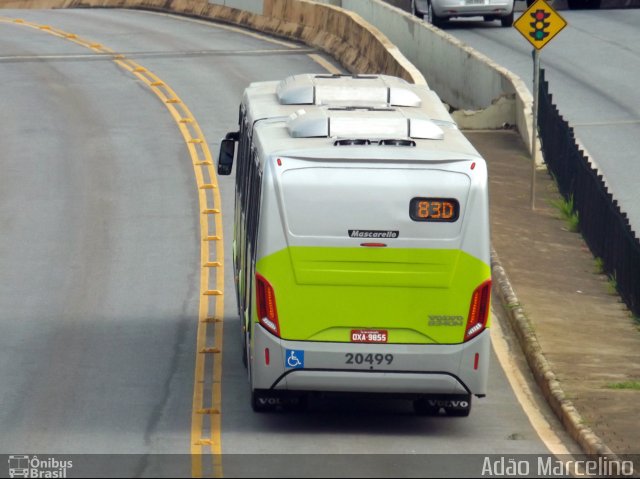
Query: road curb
x=551 y=388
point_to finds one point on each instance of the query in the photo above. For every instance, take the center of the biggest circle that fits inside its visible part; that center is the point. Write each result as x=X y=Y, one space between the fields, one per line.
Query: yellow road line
x=203 y=166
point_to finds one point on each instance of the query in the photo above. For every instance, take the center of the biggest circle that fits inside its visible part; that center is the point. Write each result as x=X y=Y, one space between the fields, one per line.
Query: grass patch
x=612 y=282
x=567 y=212
x=599 y=262
x=632 y=385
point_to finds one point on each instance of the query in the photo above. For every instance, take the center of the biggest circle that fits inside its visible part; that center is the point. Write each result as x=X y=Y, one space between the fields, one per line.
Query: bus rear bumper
x=371 y=382
x=412 y=369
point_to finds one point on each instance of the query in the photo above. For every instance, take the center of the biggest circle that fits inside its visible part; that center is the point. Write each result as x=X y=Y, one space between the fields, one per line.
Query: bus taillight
x=266 y=303
x=479 y=310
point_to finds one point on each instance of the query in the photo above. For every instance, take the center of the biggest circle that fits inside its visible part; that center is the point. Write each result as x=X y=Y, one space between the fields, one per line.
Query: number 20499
x=368 y=359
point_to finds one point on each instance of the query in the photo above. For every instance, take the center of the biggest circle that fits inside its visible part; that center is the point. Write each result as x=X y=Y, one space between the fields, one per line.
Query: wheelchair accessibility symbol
x=294 y=359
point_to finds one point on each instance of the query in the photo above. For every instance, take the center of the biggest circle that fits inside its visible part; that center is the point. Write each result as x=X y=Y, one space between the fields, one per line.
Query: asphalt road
x=592 y=66
x=100 y=260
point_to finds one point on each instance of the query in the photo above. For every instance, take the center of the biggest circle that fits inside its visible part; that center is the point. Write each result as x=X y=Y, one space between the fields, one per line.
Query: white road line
x=523 y=392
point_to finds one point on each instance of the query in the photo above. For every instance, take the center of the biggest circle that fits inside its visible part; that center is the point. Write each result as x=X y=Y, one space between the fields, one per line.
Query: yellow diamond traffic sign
x=539 y=24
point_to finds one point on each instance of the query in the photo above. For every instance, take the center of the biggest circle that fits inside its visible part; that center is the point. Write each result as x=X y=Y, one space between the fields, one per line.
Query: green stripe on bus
x=420 y=296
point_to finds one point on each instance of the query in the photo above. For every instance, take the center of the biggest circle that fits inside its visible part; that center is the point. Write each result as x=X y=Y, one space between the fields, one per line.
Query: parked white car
x=438 y=11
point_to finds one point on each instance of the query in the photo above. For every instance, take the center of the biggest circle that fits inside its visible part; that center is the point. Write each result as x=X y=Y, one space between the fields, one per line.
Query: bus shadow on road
x=358 y=414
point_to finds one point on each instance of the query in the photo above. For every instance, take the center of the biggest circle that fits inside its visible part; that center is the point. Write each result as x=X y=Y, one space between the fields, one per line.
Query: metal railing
x=603 y=225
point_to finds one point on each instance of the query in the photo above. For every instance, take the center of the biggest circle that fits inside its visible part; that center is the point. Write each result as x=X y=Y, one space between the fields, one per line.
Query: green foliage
x=567 y=212
x=599 y=265
x=633 y=385
x=612 y=282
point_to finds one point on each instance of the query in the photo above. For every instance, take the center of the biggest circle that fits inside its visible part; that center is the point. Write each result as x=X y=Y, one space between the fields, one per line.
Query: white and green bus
x=361 y=244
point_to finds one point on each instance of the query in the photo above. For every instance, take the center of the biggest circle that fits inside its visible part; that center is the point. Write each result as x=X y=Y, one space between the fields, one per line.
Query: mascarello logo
x=21 y=465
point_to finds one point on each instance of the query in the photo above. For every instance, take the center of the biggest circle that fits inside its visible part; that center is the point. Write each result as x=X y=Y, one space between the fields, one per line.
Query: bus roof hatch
x=360 y=123
x=309 y=89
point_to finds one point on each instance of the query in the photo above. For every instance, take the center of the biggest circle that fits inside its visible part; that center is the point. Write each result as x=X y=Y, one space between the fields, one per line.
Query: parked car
x=437 y=12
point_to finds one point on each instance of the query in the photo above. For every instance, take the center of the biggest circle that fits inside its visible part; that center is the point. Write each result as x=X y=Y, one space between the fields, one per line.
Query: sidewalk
x=580 y=337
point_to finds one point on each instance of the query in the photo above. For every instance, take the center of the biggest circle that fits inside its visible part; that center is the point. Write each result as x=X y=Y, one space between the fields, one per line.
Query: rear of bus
x=373 y=272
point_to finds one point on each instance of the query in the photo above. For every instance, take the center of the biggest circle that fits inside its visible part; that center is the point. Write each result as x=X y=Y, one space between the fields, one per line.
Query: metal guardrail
x=603 y=225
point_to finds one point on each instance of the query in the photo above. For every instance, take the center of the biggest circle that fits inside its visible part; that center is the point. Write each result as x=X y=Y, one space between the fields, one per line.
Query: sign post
x=534 y=126
x=538 y=25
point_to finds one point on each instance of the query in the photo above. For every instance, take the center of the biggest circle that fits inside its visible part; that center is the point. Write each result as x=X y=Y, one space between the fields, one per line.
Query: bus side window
x=240 y=232
x=244 y=153
x=254 y=206
x=251 y=208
